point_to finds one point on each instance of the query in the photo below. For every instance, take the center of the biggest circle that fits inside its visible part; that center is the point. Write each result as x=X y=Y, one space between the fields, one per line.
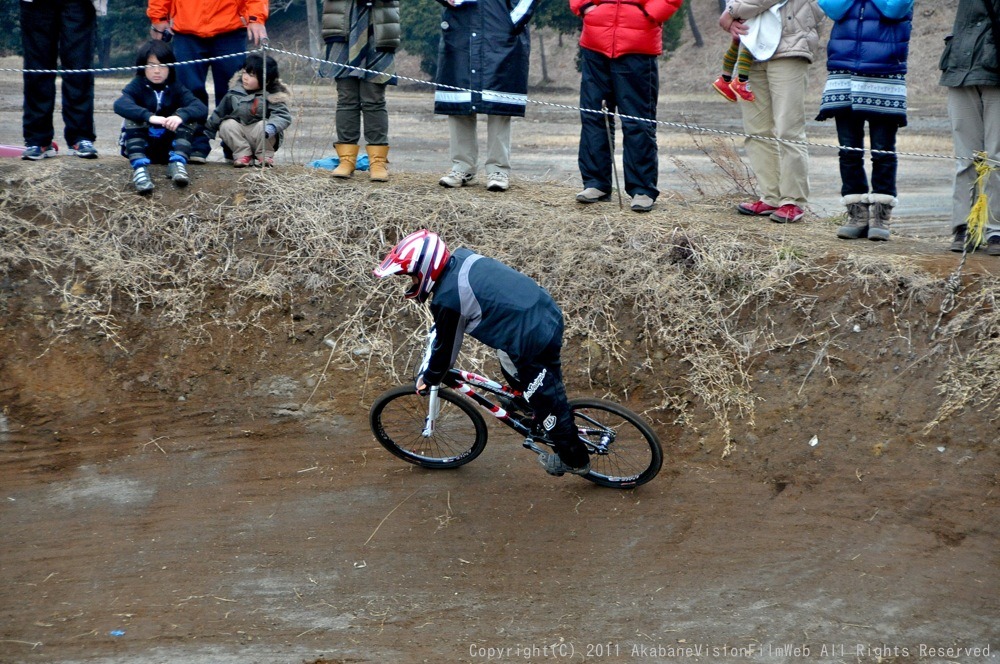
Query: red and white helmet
x=421 y=254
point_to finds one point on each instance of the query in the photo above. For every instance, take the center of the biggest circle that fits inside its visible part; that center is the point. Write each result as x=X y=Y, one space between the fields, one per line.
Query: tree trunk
x=312 y=21
x=541 y=50
x=695 y=32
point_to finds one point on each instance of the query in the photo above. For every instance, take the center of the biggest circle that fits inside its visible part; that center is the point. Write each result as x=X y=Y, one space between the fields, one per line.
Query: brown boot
x=348 y=157
x=378 y=158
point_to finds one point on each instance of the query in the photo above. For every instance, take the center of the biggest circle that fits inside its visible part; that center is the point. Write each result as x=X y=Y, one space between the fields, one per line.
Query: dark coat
x=485 y=47
x=493 y=303
x=970 y=52
x=138 y=102
x=865 y=41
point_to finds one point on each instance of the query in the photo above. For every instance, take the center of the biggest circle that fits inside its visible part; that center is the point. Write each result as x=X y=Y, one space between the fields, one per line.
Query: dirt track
x=203 y=503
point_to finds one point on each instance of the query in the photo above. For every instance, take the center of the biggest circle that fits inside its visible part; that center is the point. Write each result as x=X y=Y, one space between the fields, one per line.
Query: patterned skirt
x=881 y=95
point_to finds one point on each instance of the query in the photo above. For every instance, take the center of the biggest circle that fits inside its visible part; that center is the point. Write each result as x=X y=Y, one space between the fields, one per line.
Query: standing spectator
x=484 y=53
x=206 y=30
x=778 y=113
x=618 y=49
x=59 y=33
x=364 y=35
x=866 y=59
x=970 y=68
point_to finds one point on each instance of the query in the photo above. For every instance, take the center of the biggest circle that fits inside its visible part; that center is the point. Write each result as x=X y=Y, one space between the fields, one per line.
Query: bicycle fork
x=433 y=409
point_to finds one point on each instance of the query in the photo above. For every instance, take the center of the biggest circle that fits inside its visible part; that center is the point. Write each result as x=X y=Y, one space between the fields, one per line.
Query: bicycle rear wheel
x=397 y=419
x=624 y=451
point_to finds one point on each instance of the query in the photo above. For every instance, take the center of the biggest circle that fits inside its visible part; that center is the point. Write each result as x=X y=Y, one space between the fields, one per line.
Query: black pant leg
x=39 y=41
x=546 y=394
x=77 y=30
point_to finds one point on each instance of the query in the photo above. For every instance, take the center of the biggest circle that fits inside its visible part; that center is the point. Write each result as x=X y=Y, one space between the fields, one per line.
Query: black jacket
x=493 y=303
x=139 y=102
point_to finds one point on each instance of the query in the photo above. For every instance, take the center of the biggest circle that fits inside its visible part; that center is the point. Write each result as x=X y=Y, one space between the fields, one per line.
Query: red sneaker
x=759 y=209
x=788 y=213
x=741 y=90
x=721 y=86
x=243 y=162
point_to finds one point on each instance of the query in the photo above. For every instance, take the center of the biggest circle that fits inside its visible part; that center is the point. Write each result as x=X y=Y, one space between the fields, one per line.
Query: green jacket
x=246 y=108
x=970 y=52
x=385 y=22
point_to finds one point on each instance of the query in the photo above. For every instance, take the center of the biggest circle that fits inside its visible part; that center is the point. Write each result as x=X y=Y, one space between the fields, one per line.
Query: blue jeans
x=629 y=84
x=192 y=76
x=882 y=136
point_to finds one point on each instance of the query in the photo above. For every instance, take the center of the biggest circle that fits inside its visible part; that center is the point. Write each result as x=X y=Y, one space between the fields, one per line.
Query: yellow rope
x=979 y=215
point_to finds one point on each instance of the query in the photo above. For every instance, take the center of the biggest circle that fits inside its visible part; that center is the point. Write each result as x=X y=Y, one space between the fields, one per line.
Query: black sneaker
x=993 y=246
x=177 y=172
x=141 y=180
x=958 y=239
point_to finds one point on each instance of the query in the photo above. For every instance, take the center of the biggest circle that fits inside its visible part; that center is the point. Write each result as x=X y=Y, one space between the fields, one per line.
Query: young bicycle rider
x=505 y=310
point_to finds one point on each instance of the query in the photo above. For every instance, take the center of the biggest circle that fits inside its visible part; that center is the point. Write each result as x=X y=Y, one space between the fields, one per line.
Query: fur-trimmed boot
x=881 y=211
x=348 y=155
x=378 y=158
x=857 y=217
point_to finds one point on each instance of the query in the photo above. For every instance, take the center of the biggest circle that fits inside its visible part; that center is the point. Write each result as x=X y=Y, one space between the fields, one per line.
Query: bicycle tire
x=397 y=419
x=634 y=458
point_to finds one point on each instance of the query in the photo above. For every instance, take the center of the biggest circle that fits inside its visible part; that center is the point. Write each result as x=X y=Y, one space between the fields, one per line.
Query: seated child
x=160 y=117
x=239 y=118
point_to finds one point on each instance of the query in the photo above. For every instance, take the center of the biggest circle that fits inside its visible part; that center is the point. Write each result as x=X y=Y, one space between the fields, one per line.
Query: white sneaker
x=498 y=181
x=456 y=179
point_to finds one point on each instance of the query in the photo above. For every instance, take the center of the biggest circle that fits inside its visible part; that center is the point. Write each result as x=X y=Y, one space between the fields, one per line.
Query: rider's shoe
x=553 y=465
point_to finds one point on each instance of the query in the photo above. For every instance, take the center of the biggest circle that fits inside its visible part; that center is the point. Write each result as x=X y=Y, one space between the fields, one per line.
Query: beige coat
x=800 y=25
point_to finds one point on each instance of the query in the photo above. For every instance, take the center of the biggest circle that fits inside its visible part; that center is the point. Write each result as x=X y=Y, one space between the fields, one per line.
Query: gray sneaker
x=177 y=172
x=642 y=203
x=593 y=195
x=84 y=149
x=553 y=465
x=456 y=179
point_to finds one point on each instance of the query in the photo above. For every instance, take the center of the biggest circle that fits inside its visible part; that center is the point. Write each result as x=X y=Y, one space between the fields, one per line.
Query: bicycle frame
x=466 y=382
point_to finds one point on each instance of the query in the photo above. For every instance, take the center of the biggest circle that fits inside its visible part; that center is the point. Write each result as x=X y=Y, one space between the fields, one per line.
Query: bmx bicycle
x=446 y=429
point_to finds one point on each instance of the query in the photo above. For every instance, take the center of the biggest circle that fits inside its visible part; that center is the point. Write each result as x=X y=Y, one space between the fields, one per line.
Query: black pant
x=142 y=143
x=58 y=34
x=882 y=135
x=540 y=380
x=629 y=84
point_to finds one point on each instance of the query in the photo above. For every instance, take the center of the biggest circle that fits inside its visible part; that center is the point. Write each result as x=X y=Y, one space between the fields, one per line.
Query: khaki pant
x=246 y=140
x=465 y=149
x=975 y=126
x=779 y=111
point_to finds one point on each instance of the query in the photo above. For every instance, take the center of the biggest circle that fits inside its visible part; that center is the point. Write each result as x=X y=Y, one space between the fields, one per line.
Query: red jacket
x=621 y=27
x=207 y=18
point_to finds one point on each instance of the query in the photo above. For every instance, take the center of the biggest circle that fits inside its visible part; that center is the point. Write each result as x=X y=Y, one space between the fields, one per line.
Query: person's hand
x=256 y=32
x=159 y=29
x=173 y=122
x=421 y=385
x=588 y=9
x=733 y=26
x=270 y=130
x=157 y=120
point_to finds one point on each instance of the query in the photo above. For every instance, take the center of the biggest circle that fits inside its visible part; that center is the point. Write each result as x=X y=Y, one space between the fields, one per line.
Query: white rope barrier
x=685 y=126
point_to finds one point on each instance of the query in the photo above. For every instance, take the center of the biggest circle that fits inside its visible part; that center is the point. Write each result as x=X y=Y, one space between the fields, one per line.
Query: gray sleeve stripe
x=471 y=311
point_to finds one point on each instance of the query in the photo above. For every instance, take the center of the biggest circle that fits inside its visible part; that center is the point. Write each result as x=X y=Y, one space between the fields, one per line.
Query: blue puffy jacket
x=868 y=36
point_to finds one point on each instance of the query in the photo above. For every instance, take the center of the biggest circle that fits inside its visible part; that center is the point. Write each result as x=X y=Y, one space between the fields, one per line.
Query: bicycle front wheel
x=398 y=417
x=624 y=451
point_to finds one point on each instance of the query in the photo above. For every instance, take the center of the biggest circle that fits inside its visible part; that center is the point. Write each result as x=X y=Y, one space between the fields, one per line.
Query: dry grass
x=641 y=293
